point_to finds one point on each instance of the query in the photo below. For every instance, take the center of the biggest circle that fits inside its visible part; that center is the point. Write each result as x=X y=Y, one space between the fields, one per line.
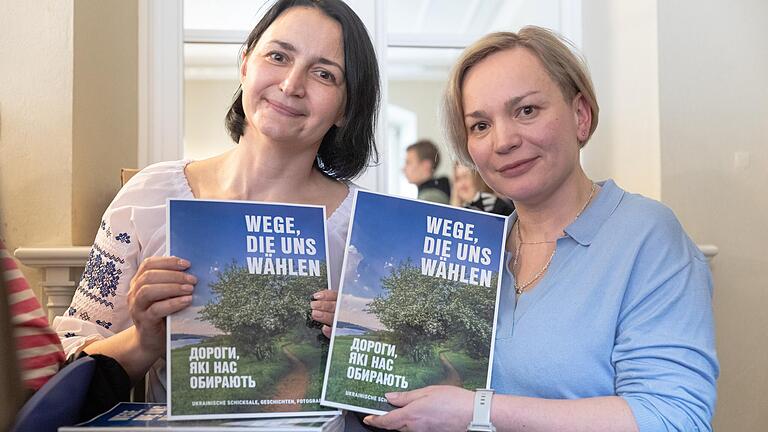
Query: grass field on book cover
x=417 y=302
x=246 y=346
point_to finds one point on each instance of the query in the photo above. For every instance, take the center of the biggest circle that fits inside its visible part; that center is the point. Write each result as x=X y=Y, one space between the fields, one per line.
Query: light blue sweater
x=624 y=309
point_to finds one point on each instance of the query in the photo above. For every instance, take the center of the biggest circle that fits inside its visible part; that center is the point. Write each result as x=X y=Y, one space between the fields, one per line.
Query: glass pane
x=210 y=80
x=426 y=37
x=223 y=14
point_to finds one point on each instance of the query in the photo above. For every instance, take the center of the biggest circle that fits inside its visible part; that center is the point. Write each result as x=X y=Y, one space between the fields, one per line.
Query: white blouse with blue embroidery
x=132 y=229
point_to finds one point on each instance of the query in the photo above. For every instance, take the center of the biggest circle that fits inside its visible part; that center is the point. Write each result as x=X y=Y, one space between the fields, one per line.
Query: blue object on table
x=59 y=401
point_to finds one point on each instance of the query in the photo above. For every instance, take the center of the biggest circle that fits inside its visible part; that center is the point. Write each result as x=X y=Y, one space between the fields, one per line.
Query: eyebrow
x=509 y=105
x=322 y=60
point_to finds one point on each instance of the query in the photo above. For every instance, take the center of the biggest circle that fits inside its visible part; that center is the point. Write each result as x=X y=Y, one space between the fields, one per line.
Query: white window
x=189 y=57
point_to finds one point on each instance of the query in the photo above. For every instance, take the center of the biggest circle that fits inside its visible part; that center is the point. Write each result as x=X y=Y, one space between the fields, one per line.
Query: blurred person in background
x=470 y=191
x=421 y=160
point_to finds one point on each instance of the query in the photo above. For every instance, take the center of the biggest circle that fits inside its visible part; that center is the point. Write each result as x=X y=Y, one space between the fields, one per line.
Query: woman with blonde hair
x=605 y=316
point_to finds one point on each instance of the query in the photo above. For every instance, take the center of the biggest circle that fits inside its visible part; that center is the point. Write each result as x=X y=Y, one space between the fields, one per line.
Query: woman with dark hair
x=303 y=119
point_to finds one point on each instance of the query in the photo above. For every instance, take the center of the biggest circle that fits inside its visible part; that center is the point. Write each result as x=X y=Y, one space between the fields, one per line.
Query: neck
x=262 y=170
x=545 y=220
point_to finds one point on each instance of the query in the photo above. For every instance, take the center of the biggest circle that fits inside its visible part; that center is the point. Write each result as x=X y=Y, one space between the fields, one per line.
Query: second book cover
x=417 y=302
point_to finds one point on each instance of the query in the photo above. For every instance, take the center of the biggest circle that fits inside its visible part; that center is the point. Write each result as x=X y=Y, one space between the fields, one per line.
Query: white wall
x=36 y=49
x=68 y=117
x=713 y=81
x=620 y=45
x=105 y=108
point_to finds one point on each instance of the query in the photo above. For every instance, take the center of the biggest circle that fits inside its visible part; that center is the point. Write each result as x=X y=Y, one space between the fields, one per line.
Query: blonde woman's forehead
x=507 y=77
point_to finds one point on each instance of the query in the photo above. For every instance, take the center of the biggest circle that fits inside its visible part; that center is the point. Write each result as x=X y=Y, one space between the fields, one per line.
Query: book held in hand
x=247 y=346
x=417 y=302
x=148 y=417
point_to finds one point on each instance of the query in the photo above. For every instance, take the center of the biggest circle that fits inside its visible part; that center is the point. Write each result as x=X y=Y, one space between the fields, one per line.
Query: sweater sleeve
x=37 y=346
x=664 y=356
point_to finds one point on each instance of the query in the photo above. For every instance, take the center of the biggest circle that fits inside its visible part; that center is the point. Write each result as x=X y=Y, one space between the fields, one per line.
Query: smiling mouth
x=284 y=109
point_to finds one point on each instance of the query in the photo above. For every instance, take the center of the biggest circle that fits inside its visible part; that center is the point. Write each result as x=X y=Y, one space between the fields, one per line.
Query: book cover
x=145 y=417
x=246 y=346
x=417 y=302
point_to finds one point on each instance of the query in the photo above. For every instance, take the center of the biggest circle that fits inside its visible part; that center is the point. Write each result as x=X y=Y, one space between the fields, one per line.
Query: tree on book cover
x=417 y=303
x=247 y=345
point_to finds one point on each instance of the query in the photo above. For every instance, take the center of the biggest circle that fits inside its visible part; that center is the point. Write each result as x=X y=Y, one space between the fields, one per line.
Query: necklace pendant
x=518 y=291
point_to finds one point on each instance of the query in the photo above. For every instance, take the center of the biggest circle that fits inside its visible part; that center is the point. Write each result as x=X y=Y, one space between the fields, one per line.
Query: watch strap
x=481 y=413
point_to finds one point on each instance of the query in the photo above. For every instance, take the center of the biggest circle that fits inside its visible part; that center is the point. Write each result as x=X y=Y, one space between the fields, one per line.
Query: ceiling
x=424 y=36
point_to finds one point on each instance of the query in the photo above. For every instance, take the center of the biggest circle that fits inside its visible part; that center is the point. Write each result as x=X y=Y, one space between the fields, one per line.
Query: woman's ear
x=583 y=116
x=243 y=67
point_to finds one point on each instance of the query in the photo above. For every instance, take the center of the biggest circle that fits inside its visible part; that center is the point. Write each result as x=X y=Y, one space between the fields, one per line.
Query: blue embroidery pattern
x=101 y=277
x=103 y=225
x=69 y=335
x=85 y=317
x=71 y=311
x=104 y=324
x=123 y=238
x=95 y=298
x=106 y=254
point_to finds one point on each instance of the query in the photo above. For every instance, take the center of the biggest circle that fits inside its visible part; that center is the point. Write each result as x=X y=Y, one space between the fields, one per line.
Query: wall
x=619 y=42
x=713 y=64
x=68 y=117
x=36 y=124
x=105 y=109
x=423 y=98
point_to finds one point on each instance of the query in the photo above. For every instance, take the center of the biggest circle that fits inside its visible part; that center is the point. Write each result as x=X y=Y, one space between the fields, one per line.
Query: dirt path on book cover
x=292 y=386
x=452 y=376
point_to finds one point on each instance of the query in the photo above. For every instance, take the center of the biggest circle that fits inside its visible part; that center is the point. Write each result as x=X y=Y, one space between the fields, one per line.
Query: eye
x=479 y=127
x=527 y=111
x=326 y=76
x=276 y=56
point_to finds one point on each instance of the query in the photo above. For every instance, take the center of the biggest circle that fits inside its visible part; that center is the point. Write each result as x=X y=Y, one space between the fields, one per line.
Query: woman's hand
x=159 y=288
x=323 y=307
x=433 y=408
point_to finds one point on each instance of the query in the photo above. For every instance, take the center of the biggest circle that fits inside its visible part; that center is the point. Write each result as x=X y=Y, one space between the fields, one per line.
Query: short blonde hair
x=558 y=56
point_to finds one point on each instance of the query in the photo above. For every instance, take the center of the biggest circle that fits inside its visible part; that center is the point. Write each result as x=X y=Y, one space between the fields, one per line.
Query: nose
x=293 y=82
x=506 y=137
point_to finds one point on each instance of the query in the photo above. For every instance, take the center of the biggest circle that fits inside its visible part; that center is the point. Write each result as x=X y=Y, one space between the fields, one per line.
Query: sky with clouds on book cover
x=246 y=346
x=417 y=302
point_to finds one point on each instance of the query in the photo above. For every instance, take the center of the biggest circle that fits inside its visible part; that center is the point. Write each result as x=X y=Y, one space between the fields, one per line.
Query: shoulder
x=639 y=211
x=339 y=219
x=653 y=227
x=154 y=184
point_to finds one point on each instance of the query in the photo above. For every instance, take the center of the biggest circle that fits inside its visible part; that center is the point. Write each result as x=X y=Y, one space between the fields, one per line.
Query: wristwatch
x=481 y=414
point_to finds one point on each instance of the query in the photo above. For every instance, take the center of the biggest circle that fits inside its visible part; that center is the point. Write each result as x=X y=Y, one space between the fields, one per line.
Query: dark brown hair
x=345 y=151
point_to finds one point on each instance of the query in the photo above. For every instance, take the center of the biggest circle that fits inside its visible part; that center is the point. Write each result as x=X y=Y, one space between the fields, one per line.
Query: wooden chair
x=126 y=174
